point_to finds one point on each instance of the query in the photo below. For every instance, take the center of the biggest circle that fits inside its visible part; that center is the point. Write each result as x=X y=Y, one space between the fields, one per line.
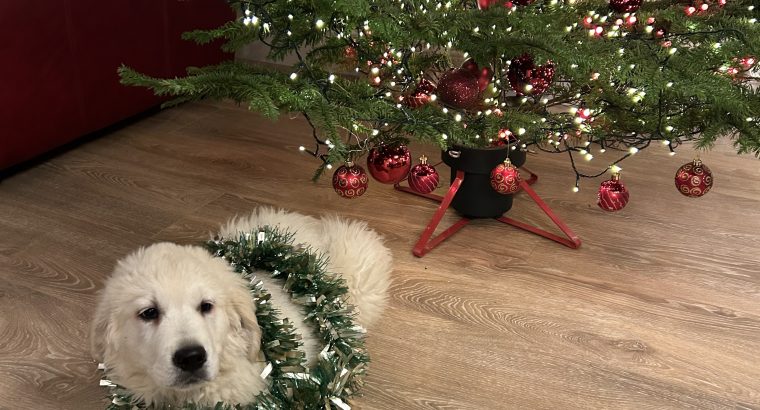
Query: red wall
x=58 y=61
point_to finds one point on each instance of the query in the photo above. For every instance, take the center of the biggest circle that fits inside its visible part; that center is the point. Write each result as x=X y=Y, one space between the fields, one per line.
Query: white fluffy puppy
x=174 y=324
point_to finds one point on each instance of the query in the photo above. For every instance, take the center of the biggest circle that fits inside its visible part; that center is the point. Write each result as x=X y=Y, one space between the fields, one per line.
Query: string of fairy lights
x=564 y=123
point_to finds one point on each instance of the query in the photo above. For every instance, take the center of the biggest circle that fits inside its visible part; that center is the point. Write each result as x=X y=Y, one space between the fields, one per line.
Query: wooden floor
x=660 y=308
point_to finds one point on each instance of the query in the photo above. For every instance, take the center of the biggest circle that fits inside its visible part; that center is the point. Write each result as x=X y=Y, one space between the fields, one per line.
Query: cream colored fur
x=177 y=279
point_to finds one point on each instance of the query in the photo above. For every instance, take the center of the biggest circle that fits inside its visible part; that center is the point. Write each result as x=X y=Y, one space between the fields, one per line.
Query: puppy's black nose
x=190 y=358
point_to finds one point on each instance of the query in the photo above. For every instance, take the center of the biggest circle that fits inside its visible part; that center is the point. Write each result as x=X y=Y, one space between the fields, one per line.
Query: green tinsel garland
x=341 y=364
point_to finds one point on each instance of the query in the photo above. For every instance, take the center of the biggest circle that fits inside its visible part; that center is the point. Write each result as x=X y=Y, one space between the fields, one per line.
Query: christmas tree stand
x=427 y=242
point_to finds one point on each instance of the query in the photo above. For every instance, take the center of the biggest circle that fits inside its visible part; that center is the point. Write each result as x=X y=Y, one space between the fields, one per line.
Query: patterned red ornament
x=350 y=181
x=613 y=195
x=528 y=79
x=423 y=178
x=421 y=94
x=625 y=6
x=463 y=87
x=505 y=178
x=389 y=164
x=694 y=179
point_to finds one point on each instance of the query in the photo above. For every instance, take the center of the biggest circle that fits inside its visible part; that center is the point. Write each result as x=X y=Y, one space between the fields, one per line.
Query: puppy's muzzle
x=190 y=358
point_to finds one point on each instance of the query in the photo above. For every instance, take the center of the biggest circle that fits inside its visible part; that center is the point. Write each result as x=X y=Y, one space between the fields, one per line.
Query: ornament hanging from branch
x=463 y=87
x=505 y=137
x=486 y=4
x=350 y=180
x=526 y=78
x=613 y=195
x=421 y=95
x=694 y=179
x=423 y=177
x=389 y=164
x=625 y=6
x=505 y=178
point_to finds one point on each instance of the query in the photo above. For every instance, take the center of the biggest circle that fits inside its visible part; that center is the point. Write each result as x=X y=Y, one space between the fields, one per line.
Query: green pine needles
x=670 y=70
x=340 y=366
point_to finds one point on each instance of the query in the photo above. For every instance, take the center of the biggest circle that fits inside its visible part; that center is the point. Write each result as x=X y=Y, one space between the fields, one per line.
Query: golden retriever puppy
x=174 y=324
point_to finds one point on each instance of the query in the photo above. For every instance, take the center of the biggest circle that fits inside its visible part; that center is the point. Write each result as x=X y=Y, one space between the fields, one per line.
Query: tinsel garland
x=340 y=366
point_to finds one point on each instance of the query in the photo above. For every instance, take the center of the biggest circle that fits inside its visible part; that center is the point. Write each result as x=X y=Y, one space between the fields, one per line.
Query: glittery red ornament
x=350 y=181
x=423 y=178
x=625 y=6
x=505 y=178
x=421 y=94
x=486 y=4
x=463 y=87
x=694 y=179
x=613 y=195
x=528 y=79
x=389 y=164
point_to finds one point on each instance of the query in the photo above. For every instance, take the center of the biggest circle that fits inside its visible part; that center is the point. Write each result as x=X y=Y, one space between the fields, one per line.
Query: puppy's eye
x=206 y=307
x=148 y=314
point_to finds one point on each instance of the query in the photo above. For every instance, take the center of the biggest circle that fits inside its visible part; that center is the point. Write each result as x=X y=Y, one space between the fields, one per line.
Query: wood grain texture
x=660 y=308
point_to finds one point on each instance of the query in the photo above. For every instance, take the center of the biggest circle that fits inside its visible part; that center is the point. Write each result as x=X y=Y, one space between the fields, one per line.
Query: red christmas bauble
x=613 y=195
x=505 y=137
x=625 y=6
x=423 y=177
x=421 y=94
x=389 y=164
x=350 y=181
x=350 y=53
x=486 y=4
x=526 y=78
x=694 y=179
x=505 y=178
x=463 y=87
x=459 y=89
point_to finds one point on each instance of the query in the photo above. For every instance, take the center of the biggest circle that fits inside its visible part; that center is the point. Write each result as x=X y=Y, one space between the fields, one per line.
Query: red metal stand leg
x=572 y=240
x=533 y=177
x=425 y=244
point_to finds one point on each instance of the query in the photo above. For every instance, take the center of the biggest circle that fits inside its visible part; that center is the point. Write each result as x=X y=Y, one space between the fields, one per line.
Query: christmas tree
x=574 y=77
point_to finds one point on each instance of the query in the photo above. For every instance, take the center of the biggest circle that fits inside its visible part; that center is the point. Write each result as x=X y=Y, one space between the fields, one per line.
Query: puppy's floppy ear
x=243 y=317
